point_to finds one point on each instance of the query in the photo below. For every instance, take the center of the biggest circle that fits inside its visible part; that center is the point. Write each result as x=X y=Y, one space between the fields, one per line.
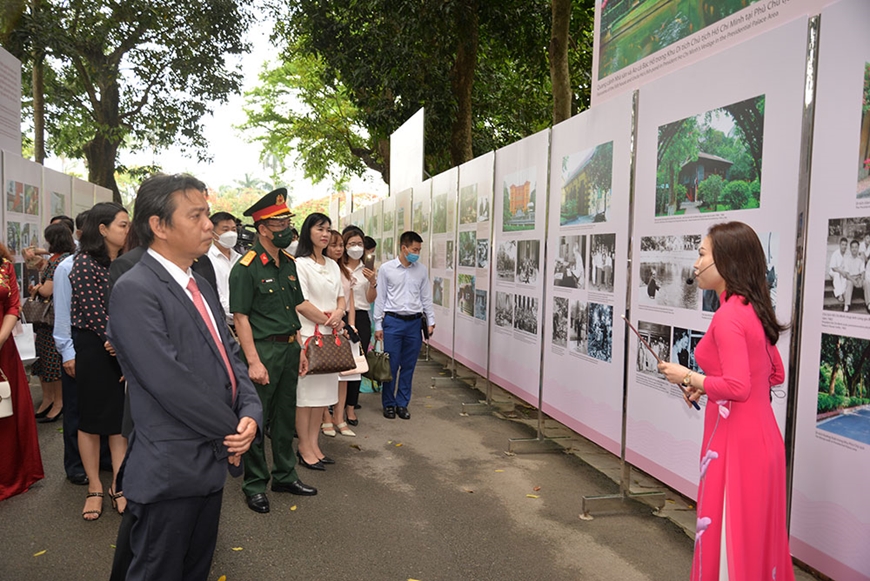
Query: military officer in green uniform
x=264 y=297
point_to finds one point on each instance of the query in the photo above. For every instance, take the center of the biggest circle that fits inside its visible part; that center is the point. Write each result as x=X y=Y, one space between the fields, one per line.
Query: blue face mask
x=412 y=258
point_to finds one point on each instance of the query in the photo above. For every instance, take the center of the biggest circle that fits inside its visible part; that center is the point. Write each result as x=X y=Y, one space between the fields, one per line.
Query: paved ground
x=433 y=498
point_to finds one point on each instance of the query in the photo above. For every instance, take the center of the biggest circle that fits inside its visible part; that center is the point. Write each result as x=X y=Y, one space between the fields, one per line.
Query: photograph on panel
x=683 y=350
x=578 y=330
x=560 y=321
x=483 y=253
x=770 y=243
x=388 y=223
x=373 y=225
x=632 y=30
x=439 y=254
x=465 y=294
x=389 y=250
x=483 y=209
x=528 y=261
x=29 y=235
x=15 y=197
x=421 y=219
x=468 y=248
x=468 y=204
x=844 y=393
x=667 y=271
x=847 y=280
x=58 y=204
x=864 y=143
x=600 y=332
x=31 y=200
x=13 y=238
x=602 y=253
x=480 y=304
x=659 y=338
x=526 y=314
x=570 y=264
x=441 y=291
x=379 y=248
x=449 y=255
x=711 y=162
x=504 y=309
x=506 y=260
x=587 y=184
x=519 y=201
x=400 y=220
x=439 y=214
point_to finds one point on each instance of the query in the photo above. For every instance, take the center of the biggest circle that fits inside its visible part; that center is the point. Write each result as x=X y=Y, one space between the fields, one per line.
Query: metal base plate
x=535 y=445
x=617 y=502
x=481 y=408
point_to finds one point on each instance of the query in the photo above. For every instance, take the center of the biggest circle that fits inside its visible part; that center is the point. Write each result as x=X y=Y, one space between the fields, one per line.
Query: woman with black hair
x=98 y=375
x=741 y=531
x=48 y=363
x=320 y=279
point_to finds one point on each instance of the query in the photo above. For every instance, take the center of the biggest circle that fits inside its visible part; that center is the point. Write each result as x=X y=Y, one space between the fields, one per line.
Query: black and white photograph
x=504 y=309
x=600 y=333
x=847 y=282
x=659 y=338
x=465 y=294
x=506 y=260
x=560 y=321
x=468 y=248
x=483 y=253
x=578 y=331
x=683 y=351
x=570 y=268
x=483 y=210
x=449 y=255
x=528 y=261
x=526 y=314
x=480 y=304
x=438 y=290
x=400 y=220
x=602 y=253
x=666 y=266
x=468 y=204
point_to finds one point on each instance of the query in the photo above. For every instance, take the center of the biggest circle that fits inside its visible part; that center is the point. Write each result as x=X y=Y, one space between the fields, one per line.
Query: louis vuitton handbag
x=38 y=311
x=328 y=353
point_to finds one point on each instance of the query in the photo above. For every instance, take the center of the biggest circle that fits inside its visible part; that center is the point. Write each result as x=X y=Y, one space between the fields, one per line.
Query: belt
x=280 y=338
x=413 y=317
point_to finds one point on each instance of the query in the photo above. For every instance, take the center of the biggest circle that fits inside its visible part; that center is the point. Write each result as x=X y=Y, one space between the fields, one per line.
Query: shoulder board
x=247 y=258
x=288 y=255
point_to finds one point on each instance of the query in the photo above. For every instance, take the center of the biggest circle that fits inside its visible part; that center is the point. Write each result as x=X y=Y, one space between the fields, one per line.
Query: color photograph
x=506 y=260
x=528 y=261
x=389 y=249
x=864 y=142
x=439 y=214
x=421 y=219
x=560 y=322
x=465 y=294
x=15 y=197
x=373 y=225
x=526 y=314
x=519 y=201
x=388 y=224
x=600 y=332
x=468 y=248
x=844 y=394
x=13 y=238
x=480 y=304
x=570 y=263
x=31 y=200
x=504 y=309
x=468 y=204
x=602 y=254
x=578 y=333
x=659 y=338
x=587 y=178
x=58 y=204
x=631 y=30
x=666 y=265
x=711 y=162
x=450 y=256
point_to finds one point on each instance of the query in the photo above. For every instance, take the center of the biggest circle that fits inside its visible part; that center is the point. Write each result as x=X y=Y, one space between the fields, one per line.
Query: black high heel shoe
x=327 y=460
x=316 y=466
x=43 y=413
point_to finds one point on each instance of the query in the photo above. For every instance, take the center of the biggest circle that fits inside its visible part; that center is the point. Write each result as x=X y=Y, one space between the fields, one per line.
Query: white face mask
x=355 y=252
x=292 y=248
x=228 y=239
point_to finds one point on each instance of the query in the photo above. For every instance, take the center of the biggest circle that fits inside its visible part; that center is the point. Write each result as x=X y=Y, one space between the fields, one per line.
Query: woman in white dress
x=320 y=279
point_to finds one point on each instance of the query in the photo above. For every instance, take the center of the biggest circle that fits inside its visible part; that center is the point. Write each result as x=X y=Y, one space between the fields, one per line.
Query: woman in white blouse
x=320 y=278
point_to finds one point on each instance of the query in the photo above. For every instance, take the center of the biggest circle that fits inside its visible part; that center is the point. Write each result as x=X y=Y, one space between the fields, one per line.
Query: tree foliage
x=120 y=74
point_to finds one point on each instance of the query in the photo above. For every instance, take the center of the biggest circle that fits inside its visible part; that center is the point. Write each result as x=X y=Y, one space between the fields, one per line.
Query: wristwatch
x=687 y=381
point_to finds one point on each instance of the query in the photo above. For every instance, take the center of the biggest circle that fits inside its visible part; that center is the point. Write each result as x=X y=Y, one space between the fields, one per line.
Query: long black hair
x=740 y=260
x=59 y=238
x=306 y=247
x=92 y=242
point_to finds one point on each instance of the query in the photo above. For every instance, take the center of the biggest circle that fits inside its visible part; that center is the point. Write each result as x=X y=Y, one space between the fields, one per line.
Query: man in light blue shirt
x=404 y=299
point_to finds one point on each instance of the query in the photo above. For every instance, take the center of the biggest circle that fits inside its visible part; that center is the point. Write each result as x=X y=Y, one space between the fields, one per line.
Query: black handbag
x=379 y=365
x=38 y=311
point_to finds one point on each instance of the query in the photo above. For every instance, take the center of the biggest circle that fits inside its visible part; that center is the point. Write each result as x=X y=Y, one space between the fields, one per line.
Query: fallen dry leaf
x=237 y=549
x=499 y=470
x=113 y=546
x=356 y=447
x=532 y=496
x=399 y=445
x=470 y=491
x=536 y=488
x=222 y=578
x=293 y=507
x=39 y=554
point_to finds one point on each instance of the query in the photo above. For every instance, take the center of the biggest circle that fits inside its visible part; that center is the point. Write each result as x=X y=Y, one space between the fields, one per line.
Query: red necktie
x=200 y=306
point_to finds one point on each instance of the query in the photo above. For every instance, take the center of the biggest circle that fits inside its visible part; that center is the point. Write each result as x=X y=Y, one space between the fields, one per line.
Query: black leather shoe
x=355 y=422
x=316 y=466
x=403 y=413
x=390 y=413
x=327 y=460
x=357 y=406
x=43 y=413
x=50 y=419
x=259 y=502
x=298 y=488
x=78 y=479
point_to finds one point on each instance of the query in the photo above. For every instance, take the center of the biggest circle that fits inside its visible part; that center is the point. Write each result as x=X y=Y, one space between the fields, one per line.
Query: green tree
x=677 y=145
x=736 y=195
x=710 y=190
x=127 y=73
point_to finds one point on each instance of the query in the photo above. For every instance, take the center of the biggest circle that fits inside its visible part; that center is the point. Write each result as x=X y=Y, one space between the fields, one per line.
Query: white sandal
x=327 y=430
x=345 y=431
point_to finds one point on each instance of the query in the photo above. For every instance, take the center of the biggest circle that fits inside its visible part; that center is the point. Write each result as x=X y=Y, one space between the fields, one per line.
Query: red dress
x=742 y=455
x=20 y=461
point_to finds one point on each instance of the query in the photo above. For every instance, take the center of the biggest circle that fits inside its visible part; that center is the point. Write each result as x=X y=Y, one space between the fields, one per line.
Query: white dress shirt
x=182 y=278
x=222 y=267
x=404 y=290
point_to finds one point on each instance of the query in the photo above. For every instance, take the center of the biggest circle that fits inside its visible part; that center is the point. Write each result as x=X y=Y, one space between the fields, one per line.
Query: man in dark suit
x=194 y=408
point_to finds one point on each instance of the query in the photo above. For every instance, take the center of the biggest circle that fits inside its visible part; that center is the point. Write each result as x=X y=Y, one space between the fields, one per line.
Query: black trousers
x=170 y=540
x=364 y=328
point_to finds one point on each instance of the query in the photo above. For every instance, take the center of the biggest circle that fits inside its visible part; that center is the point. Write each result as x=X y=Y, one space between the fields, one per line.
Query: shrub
x=710 y=190
x=736 y=195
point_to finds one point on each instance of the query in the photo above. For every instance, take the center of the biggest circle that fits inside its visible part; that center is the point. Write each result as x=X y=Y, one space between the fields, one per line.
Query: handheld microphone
x=691 y=279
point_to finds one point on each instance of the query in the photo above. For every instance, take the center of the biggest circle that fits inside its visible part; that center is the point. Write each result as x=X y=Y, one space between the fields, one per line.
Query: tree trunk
x=101 y=153
x=462 y=81
x=834 y=370
x=38 y=97
x=560 y=76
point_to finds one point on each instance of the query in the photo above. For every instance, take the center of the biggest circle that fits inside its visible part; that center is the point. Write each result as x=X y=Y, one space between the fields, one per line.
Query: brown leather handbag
x=329 y=353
